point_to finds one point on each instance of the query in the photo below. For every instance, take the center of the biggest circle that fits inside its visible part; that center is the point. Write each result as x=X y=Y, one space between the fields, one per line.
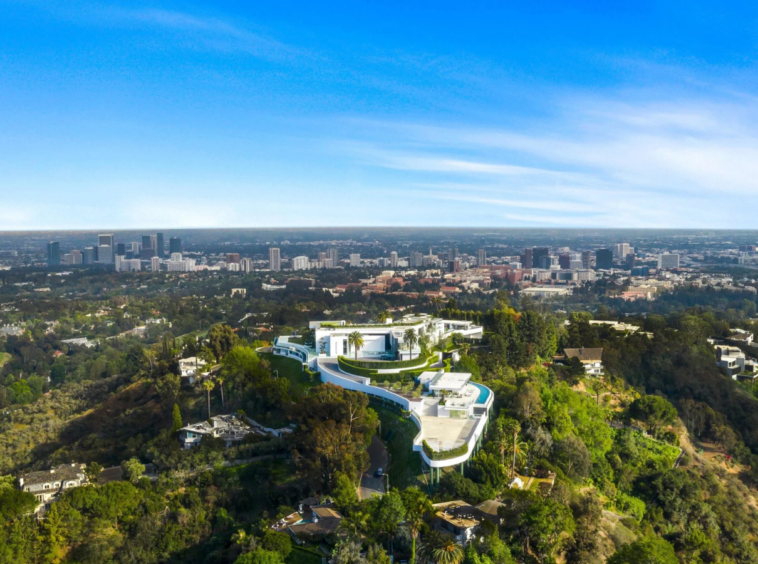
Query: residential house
x=458 y=519
x=731 y=359
x=189 y=368
x=741 y=337
x=591 y=359
x=47 y=485
x=228 y=428
x=317 y=521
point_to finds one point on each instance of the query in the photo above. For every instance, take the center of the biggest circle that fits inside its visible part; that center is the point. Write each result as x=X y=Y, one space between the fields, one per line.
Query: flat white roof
x=449 y=381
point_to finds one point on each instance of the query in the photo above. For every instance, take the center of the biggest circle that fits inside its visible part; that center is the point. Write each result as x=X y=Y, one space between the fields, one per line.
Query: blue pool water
x=484 y=393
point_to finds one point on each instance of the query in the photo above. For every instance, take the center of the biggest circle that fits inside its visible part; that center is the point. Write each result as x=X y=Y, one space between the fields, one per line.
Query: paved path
x=371 y=485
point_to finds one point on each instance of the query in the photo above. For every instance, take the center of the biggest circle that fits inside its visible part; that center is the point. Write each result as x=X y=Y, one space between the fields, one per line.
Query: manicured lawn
x=292 y=370
x=398 y=433
x=4 y=357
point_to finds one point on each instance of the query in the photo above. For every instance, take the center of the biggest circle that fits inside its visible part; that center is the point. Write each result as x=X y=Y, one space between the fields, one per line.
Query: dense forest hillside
x=654 y=461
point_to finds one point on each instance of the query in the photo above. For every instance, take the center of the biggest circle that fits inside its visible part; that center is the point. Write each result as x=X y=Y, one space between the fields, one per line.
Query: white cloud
x=608 y=162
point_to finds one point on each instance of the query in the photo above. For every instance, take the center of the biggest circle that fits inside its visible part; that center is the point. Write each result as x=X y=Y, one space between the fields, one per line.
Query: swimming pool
x=484 y=393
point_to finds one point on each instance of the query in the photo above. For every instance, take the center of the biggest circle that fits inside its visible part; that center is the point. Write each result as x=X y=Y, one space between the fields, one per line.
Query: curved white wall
x=361 y=384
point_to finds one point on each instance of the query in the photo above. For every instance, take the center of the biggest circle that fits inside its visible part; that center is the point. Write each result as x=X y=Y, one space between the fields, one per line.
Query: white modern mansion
x=385 y=341
x=449 y=409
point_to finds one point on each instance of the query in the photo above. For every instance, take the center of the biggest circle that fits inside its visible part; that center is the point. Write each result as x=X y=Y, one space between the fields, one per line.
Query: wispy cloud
x=614 y=161
x=186 y=29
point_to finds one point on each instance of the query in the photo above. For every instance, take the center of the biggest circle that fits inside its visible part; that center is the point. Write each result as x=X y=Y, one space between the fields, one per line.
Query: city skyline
x=584 y=116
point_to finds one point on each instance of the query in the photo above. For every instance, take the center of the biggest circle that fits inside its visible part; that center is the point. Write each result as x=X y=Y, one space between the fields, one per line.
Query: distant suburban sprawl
x=368 y=396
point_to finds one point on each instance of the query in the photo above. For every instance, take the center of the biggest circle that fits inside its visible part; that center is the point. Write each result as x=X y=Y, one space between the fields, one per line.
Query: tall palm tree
x=355 y=339
x=515 y=428
x=383 y=316
x=519 y=450
x=209 y=385
x=220 y=381
x=417 y=507
x=410 y=338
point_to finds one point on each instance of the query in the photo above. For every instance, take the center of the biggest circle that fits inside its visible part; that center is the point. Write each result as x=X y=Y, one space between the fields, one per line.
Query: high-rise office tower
x=274 y=259
x=332 y=254
x=393 y=259
x=105 y=239
x=53 y=253
x=537 y=254
x=666 y=260
x=160 y=246
x=631 y=260
x=232 y=258
x=155 y=264
x=416 y=259
x=89 y=256
x=105 y=254
x=564 y=261
x=174 y=245
x=621 y=250
x=527 y=259
x=246 y=265
x=135 y=249
x=604 y=259
x=149 y=246
x=481 y=257
x=586 y=260
x=120 y=249
x=300 y=263
x=76 y=257
x=355 y=260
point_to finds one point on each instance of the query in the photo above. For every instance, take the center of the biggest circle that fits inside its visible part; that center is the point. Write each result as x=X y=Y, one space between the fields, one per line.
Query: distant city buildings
x=246 y=265
x=300 y=263
x=53 y=253
x=174 y=245
x=481 y=257
x=666 y=261
x=604 y=259
x=355 y=260
x=274 y=259
x=105 y=254
x=160 y=247
x=155 y=264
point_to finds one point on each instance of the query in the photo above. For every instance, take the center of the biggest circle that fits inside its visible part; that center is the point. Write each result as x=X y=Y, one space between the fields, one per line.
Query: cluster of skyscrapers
x=108 y=252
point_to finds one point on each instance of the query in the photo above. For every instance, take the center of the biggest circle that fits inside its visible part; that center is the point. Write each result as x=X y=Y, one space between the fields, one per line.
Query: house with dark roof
x=591 y=359
x=317 y=522
x=47 y=485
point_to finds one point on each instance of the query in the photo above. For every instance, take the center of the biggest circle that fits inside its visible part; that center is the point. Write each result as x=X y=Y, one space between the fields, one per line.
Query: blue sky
x=262 y=114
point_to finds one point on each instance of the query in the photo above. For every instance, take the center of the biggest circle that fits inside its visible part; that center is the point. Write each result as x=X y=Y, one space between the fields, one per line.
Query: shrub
x=444 y=454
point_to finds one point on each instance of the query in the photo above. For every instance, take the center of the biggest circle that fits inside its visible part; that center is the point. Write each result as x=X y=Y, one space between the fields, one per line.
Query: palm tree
x=417 y=507
x=355 y=339
x=511 y=427
x=437 y=301
x=519 y=450
x=410 y=338
x=441 y=549
x=502 y=437
x=383 y=316
x=220 y=381
x=209 y=385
